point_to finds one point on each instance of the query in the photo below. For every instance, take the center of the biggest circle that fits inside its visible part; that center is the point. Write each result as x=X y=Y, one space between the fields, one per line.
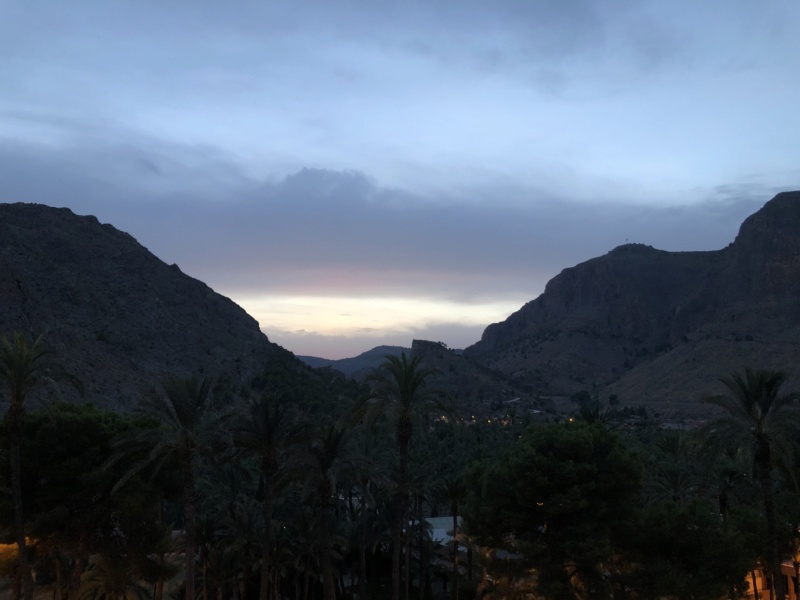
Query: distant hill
x=115 y=315
x=475 y=390
x=658 y=327
x=359 y=366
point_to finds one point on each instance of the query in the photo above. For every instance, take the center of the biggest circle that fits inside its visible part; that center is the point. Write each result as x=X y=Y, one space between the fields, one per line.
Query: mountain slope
x=474 y=390
x=115 y=315
x=655 y=326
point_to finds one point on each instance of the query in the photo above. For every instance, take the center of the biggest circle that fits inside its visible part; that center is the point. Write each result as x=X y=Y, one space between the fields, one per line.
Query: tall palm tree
x=368 y=488
x=20 y=371
x=271 y=433
x=301 y=542
x=331 y=457
x=759 y=417
x=453 y=490
x=241 y=539
x=399 y=389
x=229 y=505
x=186 y=426
x=23 y=367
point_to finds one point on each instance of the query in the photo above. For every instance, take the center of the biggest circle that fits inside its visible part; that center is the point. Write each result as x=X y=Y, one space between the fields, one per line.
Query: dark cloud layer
x=243 y=235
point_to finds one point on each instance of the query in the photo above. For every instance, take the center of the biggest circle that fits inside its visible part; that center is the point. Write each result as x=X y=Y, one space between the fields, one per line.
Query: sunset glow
x=306 y=321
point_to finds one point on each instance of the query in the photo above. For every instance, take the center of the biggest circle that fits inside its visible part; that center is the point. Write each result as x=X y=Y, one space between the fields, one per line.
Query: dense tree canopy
x=562 y=497
x=287 y=500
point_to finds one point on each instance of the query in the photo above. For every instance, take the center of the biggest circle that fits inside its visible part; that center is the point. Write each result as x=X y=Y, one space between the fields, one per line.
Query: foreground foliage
x=204 y=494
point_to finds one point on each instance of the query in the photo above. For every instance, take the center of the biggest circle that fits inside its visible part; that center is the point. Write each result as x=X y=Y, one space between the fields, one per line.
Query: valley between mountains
x=638 y=325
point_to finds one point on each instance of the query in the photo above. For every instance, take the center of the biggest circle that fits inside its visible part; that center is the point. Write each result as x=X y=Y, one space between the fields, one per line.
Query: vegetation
x=760 y=419
x=20 y=371
x=270 y=435
x=23 y=367
x=321 y=492
x=399 y=391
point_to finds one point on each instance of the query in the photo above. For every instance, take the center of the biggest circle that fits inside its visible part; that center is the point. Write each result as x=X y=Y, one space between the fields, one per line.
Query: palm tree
x=369 y=486
x=758 y=417
x=19 y=369
x=301 y=543
x=271 y=434
x=157 y=567
x=453 y=490
x=232 y=517
x=111 y=579
x=727 y=471
x=186 y=427
x=22 y=369
x=673 y=474
x=331 y=457
x=398 y=390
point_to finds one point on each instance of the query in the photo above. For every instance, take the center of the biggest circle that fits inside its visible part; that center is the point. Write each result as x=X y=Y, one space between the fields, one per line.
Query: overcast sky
x=366 y=172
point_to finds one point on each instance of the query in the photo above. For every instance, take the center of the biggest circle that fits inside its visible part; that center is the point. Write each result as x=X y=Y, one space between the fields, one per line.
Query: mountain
x=359 y=366
x=647 y=326
x=113 y=314
x=475 y=390
x=657 y=327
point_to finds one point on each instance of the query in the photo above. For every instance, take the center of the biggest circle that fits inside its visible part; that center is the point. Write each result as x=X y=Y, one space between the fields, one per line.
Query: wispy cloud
x=301 y=252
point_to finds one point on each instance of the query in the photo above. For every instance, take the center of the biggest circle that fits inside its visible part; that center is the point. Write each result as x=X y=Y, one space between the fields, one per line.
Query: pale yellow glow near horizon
x=367 y=317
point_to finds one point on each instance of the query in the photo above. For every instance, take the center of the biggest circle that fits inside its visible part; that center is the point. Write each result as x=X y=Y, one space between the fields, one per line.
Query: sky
x=364 y=172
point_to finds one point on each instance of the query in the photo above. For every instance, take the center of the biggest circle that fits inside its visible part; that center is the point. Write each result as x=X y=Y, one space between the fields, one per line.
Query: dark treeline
x=314 y=489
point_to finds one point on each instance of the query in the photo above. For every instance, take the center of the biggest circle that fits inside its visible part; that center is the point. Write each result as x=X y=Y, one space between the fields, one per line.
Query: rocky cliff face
x=650 y=325
x=111 y=312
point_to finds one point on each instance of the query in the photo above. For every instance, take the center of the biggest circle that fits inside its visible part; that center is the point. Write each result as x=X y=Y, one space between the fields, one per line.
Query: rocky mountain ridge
x=113 y=314
x=648 y=325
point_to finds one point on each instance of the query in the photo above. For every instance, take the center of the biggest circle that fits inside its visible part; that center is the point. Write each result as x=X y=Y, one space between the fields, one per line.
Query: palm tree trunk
x=399 y=511
x=205 y=580
x=755 y=585
x=423 y=570
x=397 y=544
x=454 y=508
x=763 y=462
x=328 y=583
x=16 y=585
x=407 y=565
x=486 y=556
x=190 y=526
x=266 y=540
x=58 y=592
x=14 y=418
x=81 y=562
x=362 y=551
x=306 y=581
